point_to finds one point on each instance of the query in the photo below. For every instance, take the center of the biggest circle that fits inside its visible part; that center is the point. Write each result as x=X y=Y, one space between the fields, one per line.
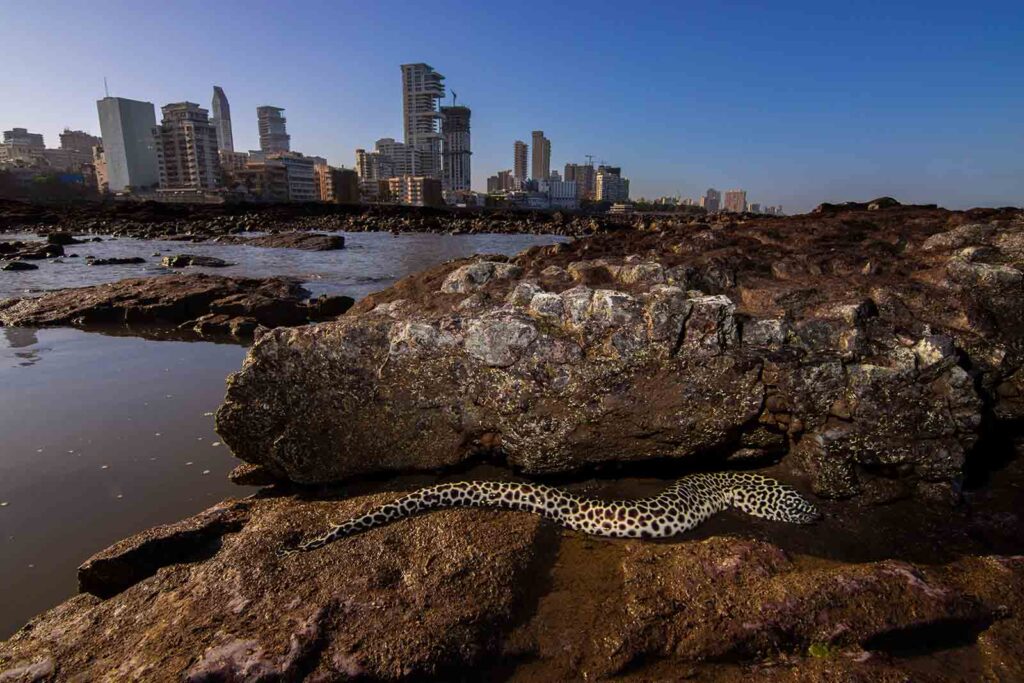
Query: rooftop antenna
x=105 y=88
x=454 y=98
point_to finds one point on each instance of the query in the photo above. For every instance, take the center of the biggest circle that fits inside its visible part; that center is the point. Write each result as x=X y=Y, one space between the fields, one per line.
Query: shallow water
x=371 y=261
x=103 y=436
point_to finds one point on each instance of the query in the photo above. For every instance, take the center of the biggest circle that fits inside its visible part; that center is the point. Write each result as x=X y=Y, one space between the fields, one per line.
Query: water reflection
x=22 y=338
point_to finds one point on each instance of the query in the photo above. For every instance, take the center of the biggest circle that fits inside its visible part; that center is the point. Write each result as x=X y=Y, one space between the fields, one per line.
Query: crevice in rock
x=928 y=638
x=127 y=563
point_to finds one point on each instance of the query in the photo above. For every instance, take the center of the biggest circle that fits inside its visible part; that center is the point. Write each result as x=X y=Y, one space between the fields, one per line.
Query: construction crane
x=590 y=160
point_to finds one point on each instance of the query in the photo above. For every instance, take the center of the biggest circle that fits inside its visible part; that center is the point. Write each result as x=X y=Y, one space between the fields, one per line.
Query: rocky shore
x=206 y=305
x=201 y=223
x=868 y=353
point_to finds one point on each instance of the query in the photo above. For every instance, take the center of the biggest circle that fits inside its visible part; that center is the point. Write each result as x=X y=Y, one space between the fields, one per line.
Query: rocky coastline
x=869 y=354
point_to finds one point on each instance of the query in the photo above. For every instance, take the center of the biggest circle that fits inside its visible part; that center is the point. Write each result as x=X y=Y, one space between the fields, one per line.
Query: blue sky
x=797 y=102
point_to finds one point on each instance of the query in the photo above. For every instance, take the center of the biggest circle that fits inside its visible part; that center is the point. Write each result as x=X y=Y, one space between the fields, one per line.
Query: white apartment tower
x=222 y=120
x=455 y=149
x=422 y=89
x=186 y=148
x=128 y=144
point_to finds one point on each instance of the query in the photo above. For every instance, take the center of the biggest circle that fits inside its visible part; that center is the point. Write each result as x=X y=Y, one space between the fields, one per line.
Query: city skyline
x=687 y=115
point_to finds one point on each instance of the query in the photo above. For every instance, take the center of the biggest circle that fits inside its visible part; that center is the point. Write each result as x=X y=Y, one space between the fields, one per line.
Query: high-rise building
x=416 y=191
x=455 y=148
x=712 y=200
x=584 y=176
x=186 y=148
x=422 y=89
x=274 y=138
x=735 y=201
x=519 y=153
x=78 y=145
x=398 y=157
x=610 y=186
x=128 y=144
x=337 y=185
x=504 y=181
x=99 y=163
x=21 y=136
x=222 y=120
x=755 y=208
x=302 y=182
x=22 y=149
x=541 y=166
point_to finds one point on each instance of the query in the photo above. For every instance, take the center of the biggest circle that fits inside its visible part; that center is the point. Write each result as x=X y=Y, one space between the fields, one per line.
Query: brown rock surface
x=410 y=601
x=307 y=241
x=502 y=595
x=212 y=304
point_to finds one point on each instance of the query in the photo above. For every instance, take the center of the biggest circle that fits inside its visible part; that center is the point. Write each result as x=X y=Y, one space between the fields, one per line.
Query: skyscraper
x=712 y=200
x=222 y=120
x=584 y=177
x=186 y=148
x=519 y=153
x=273 y=136
x=128 y=144
x=541 y=166
x=610 y=186
x=735 y=201
x=422 y=88
x=455 y=149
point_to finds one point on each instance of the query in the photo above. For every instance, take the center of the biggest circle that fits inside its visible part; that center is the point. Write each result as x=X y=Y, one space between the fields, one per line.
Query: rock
x=129 y=260
x=437 y=593
x=63 y=239
x=18 y=265
x=211 y=304
x=472 y=277
x=882 y=203
x=296 y=240
x=185 y=260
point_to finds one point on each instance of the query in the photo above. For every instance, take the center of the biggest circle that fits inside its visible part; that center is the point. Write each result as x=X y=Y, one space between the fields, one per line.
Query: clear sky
x=796 y=102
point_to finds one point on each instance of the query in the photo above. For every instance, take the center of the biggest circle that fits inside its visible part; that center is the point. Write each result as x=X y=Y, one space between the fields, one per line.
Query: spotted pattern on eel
x=681 y=507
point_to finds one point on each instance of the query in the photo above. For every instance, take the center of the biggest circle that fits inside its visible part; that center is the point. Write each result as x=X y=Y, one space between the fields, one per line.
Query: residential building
x=712 y=200
x=22 y=149
x=735 y=201
x=128 y=143
x=232 y=161
x=78 y=145
x=21 y=136
x=337 y=185
x=416 y=191
x=262 y=180
x=422 y=89
x=186 y=148
x=302 y=183
x=455 y=149
x=562 y=194
x=504 y=181
x=541 y=166
x=610 y=186
x=99 y=164
x=555 y=177
x=222 y=120
x=519 y=154
x=755 y=208
x=584 y=176
x=274 y=138
x=400 y=158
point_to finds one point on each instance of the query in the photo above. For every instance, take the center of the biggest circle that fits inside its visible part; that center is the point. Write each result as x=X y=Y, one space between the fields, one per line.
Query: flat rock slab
x=211 y=304
x=453 y=592
x=308 y=241
x=405 y=601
